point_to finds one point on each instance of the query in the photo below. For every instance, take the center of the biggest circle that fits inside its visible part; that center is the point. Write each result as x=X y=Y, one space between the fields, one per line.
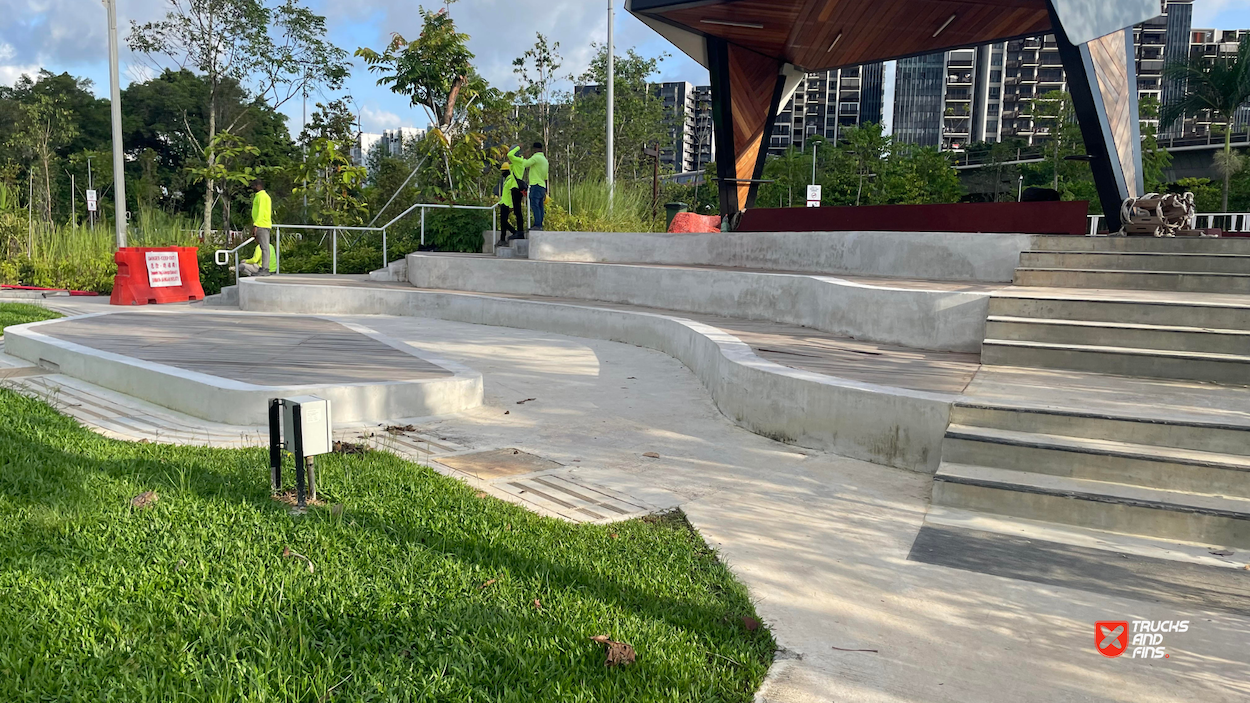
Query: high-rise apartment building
x=678 y=153
x=390 y=142
x=827 y=103
x=990 y=93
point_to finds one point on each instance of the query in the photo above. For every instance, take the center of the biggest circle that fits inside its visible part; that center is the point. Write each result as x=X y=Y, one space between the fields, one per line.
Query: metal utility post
x=1020 y=189
x=115 y=103
x=611 y=103
x=814 y=145
x=90 y=186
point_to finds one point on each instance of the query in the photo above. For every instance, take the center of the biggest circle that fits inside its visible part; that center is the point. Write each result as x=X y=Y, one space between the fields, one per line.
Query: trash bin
x=671 y=209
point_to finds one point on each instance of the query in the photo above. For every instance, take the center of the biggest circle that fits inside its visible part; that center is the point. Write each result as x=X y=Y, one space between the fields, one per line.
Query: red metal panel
x=1015 y=218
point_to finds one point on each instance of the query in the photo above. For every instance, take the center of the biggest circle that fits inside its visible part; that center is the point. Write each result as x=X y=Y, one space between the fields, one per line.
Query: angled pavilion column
x=747 y=89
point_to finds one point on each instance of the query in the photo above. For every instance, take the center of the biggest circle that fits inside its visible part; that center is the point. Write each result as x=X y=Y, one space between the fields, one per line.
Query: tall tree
x=1054 y=111
x=1217 y=86
x=639 y=114
x=275 y=48
x=1154 y=160
x=45 y=126
x=536 y=73
x=431 y=70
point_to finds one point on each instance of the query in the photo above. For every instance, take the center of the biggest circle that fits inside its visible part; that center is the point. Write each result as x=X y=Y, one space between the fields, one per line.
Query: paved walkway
x=821 y=541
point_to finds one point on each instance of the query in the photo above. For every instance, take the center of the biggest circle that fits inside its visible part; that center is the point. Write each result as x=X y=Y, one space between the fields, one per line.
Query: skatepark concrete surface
x=825 y=543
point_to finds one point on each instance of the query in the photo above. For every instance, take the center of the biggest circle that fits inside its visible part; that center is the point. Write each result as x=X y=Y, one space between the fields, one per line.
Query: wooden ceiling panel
x=801 y=31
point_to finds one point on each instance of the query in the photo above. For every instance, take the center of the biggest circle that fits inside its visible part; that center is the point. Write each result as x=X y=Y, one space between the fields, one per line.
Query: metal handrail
x=1237 y=221
x=334 y=229
x=217 y=256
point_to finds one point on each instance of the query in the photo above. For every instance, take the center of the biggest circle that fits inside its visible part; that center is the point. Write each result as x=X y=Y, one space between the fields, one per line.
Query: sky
x=71 y=35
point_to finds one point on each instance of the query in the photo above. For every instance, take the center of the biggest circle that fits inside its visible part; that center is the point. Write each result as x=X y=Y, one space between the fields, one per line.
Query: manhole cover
x=498 y=463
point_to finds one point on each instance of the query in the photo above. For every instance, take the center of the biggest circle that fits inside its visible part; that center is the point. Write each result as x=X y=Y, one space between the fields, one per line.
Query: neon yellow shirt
x=538 y=166
x=273 y=259
x=262 y=210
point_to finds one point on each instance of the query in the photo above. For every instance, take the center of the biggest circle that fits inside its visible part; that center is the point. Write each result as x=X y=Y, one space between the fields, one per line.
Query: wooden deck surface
x=266 y=350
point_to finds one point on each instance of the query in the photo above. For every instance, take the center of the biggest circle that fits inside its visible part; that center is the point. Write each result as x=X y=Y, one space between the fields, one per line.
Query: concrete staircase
x=1112 y=452
x=1165 y=308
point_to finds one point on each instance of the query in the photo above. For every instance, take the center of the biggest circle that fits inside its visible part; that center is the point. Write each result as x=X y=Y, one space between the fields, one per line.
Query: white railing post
x=385 y=262
x=422 y=226
x=334 y=246
x=277 y=249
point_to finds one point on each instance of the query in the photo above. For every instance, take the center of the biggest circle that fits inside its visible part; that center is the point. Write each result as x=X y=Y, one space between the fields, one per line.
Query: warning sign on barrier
x=156 y=275
x=163 y=269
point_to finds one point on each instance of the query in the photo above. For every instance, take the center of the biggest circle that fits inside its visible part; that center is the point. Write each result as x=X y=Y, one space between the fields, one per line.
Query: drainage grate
x=498 y=463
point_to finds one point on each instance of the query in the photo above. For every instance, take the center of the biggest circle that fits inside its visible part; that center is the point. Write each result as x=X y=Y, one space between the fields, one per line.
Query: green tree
x=435 y=72
x=1216 y=86
x=333 y=185
x=277 y=49
x=1154 y=160
x=45 y=126
x=226 y=164
x=638 y=115
x=536 y=73
x=1054 y=112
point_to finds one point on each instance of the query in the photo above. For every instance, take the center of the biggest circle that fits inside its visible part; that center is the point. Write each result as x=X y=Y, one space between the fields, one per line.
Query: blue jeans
x=538 y=207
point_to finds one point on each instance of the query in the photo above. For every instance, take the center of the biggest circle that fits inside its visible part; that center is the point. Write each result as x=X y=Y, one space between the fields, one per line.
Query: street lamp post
x=115 y=103
x=1020 y=189
x=611 y=103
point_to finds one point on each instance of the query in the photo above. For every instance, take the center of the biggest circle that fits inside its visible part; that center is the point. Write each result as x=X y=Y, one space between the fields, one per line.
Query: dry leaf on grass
x=538 y=605
x=349 y=448
x=488 y=582
x=651 y=455
x=144 y=500
x=619 y=653
x=292 y=554
x=751 y=623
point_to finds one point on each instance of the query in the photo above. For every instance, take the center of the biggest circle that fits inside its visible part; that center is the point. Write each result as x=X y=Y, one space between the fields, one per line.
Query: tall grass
x=588 y=207
x=80 y=257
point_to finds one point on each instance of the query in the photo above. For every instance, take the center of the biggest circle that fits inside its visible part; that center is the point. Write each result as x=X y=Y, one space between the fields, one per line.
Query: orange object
x=150 y=275
x=689 y=222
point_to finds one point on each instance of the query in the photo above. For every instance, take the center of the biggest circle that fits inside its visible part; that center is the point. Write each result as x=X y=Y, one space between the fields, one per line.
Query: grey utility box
x=314 y=432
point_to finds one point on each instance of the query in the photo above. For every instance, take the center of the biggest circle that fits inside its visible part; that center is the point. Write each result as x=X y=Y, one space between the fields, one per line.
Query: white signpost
x=91 y=199
x=813 y=196
x=163 y=269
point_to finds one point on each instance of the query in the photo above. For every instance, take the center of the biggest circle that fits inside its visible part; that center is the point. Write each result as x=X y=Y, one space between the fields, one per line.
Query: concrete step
x=1113 y=334
x=1238 y=283
x=1229 y=312
x=1137 y=261
x=229 y=296
x=1233 y=369
x=1166 y=468
x=1097 y=505
x=1203 y=245
x=1157 y=429
x=516 y=249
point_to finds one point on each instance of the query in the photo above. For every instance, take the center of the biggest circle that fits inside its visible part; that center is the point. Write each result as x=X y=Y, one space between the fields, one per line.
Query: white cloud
x=9 y=71
x=375 y=120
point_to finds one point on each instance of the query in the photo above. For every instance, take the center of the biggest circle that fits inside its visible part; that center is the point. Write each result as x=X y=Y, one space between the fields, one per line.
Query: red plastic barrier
x=689 y=222
x=149 y=275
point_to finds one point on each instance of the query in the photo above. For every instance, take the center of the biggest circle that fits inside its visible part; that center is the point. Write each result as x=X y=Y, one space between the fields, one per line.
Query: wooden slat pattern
x=267 y=350
x=1111 y=67
x=752 y=83
x=801 y=31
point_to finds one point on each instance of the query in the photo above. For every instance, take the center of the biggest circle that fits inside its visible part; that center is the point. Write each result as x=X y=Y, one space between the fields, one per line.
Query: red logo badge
x=1111 y=638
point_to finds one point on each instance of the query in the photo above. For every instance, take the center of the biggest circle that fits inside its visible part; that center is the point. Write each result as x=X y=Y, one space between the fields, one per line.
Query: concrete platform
x=224 y=367
x=939 y=256
x=881 y=403
x=923 y=314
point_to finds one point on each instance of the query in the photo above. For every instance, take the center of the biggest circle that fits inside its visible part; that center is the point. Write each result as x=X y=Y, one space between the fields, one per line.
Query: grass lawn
x=21 y=313
x=421 y=590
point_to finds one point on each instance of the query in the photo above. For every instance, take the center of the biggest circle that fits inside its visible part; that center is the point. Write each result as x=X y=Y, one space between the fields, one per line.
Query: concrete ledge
x=886 y=425
x=912 y=316
x=235 y=402
x=937 y=256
